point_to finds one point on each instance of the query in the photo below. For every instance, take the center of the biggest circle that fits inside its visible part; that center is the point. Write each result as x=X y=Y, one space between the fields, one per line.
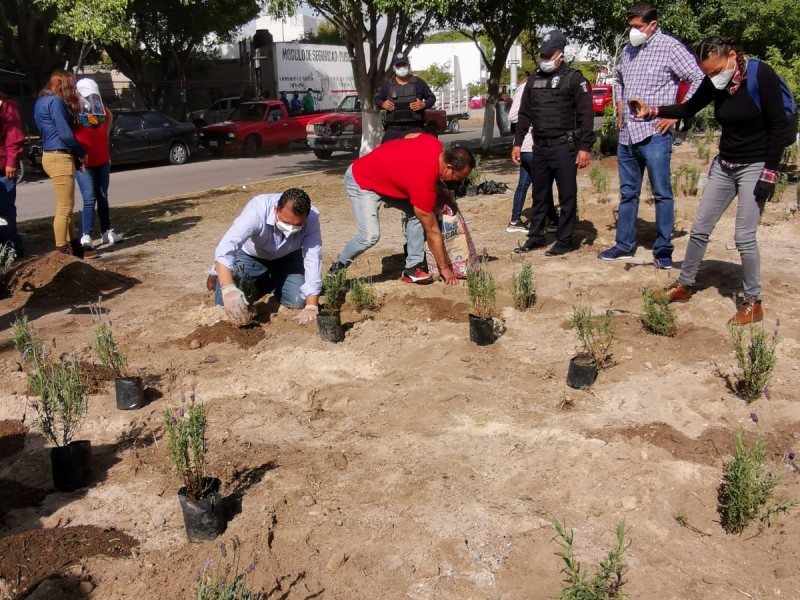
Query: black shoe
x=530 y=244
x=558 y=249
x=336 y=266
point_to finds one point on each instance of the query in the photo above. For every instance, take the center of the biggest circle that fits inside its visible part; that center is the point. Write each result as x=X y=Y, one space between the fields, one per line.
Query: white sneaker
x=109 y=237
x=86 y=241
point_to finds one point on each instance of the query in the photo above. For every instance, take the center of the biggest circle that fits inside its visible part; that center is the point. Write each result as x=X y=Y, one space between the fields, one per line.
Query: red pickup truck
x=255 y=125
x=341 y=130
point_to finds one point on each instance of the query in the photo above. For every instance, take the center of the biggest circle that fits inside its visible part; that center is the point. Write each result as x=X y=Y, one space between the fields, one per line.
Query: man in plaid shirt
x=653 y=64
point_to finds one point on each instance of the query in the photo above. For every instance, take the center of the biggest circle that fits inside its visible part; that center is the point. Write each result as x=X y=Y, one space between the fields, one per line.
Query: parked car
x=139 y=136
x=601 y=97
x=341 y=130
x=216 y=113
x=256 y=125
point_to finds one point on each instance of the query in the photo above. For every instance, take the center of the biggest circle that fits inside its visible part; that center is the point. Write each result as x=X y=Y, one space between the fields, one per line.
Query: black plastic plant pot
x=582 y=372
x=330 y=327
x=481 y=331
x=130 y=394
x=204 y=517
x=72 y=466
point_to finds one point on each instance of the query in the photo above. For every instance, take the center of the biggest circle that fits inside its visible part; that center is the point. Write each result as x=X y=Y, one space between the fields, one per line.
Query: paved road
x=133 y=184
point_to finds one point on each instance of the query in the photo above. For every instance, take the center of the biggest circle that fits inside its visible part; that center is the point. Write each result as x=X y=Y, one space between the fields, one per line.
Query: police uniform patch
x=540 y=83
x=554 y=82
x=585 y=87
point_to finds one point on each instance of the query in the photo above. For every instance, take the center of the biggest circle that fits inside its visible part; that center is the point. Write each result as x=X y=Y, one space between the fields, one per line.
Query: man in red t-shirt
x=404 y=174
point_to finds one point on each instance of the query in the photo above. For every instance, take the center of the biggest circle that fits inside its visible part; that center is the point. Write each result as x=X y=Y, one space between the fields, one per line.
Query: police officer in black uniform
x=557 y=106
x=403 y=99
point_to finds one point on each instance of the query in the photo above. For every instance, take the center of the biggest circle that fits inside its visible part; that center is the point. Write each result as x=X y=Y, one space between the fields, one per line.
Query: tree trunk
x=371 y=131
x=487 y=133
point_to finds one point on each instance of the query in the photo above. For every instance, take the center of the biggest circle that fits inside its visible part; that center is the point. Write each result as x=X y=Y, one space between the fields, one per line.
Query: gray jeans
x=723 y=185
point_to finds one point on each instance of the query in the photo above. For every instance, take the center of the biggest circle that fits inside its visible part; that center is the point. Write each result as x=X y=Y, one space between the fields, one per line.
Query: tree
x=27 y=42
x=501 y=23
x=372 y=31
x=166 y=36
x=436 y=76
x=326 y=34
x=89 y=22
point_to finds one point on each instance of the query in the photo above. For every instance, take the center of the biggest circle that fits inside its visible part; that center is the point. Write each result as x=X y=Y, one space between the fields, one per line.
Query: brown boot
x=677 y=292
x=749 y=312
x=64 y=249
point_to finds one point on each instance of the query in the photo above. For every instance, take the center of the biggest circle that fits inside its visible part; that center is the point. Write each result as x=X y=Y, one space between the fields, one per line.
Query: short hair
x=459 y=158
x=297 y=200
x=644 y=10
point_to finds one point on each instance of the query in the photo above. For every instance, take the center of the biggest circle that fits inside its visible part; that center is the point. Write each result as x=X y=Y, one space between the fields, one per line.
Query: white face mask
x=286 y=229
x=721 y=80
x=548 y=66
x=401 y=71
x=637 y=37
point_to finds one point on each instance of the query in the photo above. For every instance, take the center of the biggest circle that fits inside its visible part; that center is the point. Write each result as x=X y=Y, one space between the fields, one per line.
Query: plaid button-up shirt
x=652 y=72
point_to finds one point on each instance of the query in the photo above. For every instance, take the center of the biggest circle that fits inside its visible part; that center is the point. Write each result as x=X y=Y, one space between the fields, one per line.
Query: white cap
x=87 y=87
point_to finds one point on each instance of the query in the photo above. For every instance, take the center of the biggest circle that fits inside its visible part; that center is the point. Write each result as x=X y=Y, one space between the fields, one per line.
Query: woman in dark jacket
x=55 y=114
x=754 y=134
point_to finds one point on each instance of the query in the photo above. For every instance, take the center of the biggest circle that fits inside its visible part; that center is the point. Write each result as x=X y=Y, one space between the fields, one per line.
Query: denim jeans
x=366 y=205
x=654 y=154
x=93 y=183
x=8 y=214
x=284 y=276
x=723 y=185
x=525 y=179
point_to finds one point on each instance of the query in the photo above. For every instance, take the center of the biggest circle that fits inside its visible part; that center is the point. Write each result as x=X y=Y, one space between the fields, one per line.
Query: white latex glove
x=234 y=301
x=308 y=314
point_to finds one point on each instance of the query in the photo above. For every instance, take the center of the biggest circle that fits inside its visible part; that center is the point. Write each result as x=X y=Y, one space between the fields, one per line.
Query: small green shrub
x=335 y=290
x=26 y=342
x=607 y=582
x=600 y=180
x=522 y=288
x=686 y=180
x=780 y=187
x=790 y=155
x=608 y=138
x=63 y=401
x=756 y=357
x=596 y=333
x=657 y=315
x=476 y=175
x=481 y=292
x=704 y=153
x=746 y=486
x=7 y=257
x=187 y=446
x=362 y=294
x=106 y=349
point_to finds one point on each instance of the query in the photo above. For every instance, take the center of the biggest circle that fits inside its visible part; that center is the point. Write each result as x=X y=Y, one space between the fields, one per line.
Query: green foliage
x=327 y=33
x=608 y=138
x=607 y=581
x=63 y=401
x=335 y=286
x=588 y=70
x=522 y=288
x=780 y=187
x=756 y=357
x=686 y=180
x=105 y=346
x=7 y=257
x=600 y=179
x=221 y=588
x=187 y=446
x=436 y=76
x=26 y=342
x=681 y=517
x=706 y=121
x=476 y=175
x=746 y=486
x=658 y=316
x=90 y=21
x=596 y=333
x=704 y=153
x=481 y=292
x=362 y=294
x=476 y=89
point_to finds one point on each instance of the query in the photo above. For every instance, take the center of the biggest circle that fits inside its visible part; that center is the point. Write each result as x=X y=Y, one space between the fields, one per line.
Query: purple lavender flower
x=172 y=419
x=191 y=397
x=250 y=568
x=181 y=411
x=754 y=417
x=789 y=452
x=766 y=393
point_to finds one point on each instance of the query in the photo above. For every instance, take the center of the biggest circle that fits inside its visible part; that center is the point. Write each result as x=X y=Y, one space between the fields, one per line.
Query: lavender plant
x=657 y=315
x=187 y=446
x=481 y=292
x=522 y=288
x=63 y=401
x=105 y=346
x=596 y=333
x=362 y=294
x=757 y=358
x=231 y=585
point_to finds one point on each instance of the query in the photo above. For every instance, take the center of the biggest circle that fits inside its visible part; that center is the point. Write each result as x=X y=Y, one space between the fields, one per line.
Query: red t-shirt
x=404 y=169
x=95 y=141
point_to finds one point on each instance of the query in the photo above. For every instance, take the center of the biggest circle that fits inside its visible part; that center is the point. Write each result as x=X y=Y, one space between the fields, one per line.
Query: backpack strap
x=752 y=81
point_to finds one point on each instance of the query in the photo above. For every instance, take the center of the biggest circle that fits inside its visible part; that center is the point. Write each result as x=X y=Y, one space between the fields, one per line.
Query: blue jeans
x=723 y=186
x=8 y=214
x=366 y=205
x=524 y=182
x=93 y=183
x=654 y=154
x=284 y=276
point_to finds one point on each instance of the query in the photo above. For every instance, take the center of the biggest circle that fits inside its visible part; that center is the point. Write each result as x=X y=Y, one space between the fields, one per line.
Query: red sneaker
x=416 y=275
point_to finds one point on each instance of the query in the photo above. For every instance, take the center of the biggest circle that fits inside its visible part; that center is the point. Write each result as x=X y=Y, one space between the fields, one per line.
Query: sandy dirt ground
x=405 y=462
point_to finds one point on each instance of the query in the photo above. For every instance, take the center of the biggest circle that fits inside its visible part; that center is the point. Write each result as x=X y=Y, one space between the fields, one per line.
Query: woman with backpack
x=749 y=106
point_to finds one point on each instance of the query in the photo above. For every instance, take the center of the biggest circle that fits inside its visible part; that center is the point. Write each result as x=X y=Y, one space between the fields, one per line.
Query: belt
x=59 y=151
x=403 y=127
x=554 y=141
